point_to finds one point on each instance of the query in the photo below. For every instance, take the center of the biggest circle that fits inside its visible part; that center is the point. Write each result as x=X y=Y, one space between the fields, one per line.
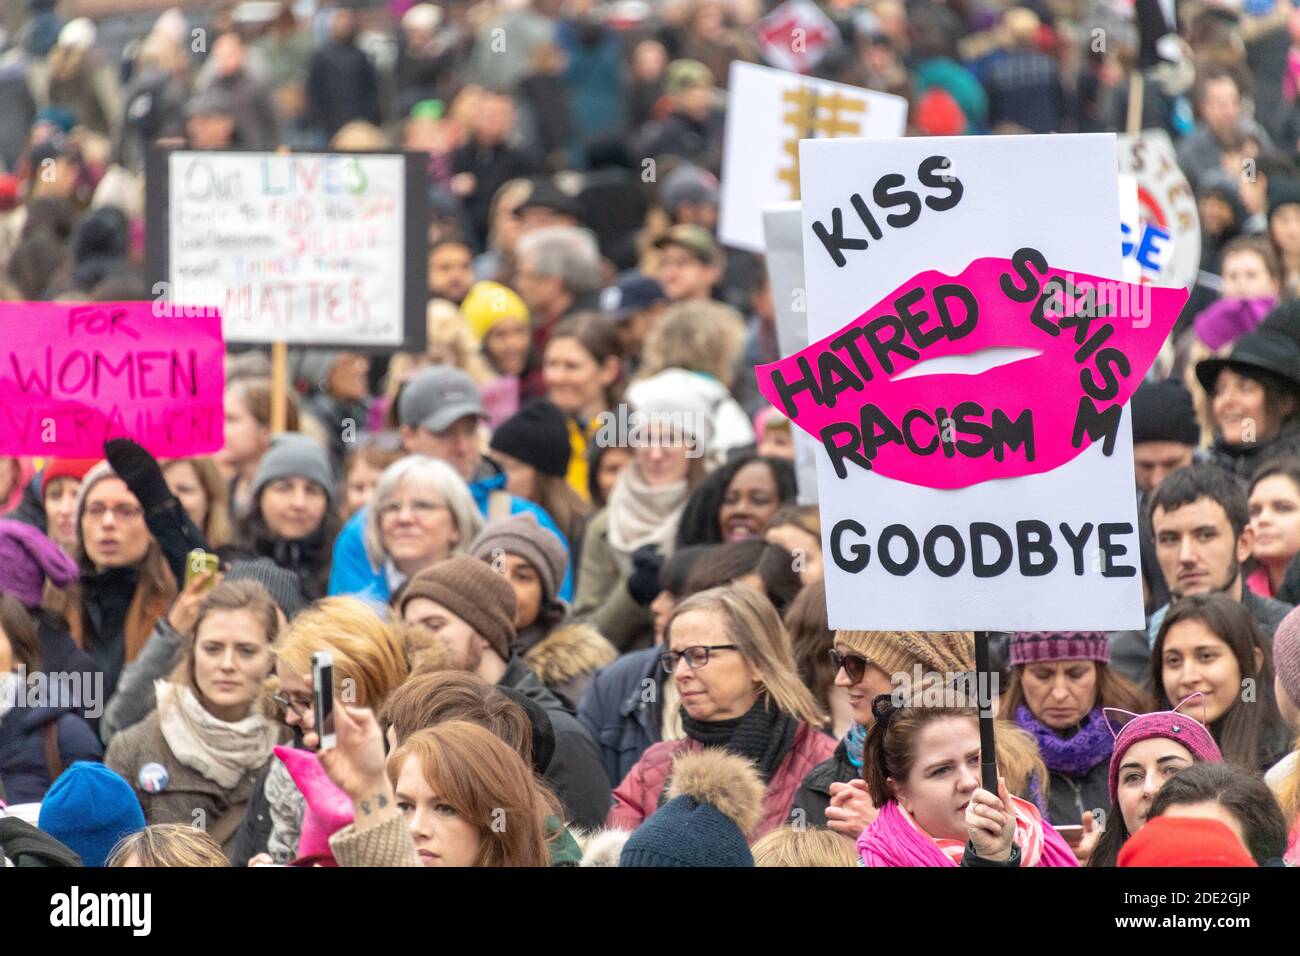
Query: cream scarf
x=641 y=514
x=222 y=752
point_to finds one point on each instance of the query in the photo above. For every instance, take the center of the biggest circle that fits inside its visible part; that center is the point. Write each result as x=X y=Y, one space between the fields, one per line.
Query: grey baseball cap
x=436 y=397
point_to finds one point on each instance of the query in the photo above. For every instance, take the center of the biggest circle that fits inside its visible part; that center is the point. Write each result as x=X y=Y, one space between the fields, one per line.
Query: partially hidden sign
x=973 y=346
x=1093 y=339
x=73 y=375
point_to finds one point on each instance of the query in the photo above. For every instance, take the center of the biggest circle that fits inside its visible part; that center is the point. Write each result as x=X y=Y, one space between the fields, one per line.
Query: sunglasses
x=855 y=665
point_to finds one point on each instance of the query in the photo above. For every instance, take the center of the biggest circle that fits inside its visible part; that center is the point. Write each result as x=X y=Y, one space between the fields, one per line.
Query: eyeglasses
x=855 y=665
x=421 y=509
x=286 y=704
x=121 y=513
x=696 y=657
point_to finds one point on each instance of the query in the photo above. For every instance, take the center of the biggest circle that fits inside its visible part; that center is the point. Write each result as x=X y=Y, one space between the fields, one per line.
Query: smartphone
x=322 y=682
x=198 y=563
x=1073 y=834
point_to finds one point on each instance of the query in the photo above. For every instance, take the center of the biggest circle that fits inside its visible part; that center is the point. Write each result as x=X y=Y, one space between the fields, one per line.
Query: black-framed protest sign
x=320 y=249
x=972 y=353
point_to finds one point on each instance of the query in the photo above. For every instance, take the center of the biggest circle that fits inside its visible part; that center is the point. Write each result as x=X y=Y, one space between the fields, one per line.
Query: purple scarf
x=1224 y=321
x=1076 y=755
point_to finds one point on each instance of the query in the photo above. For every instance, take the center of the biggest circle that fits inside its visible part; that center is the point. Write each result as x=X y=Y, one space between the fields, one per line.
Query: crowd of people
x=561 y=643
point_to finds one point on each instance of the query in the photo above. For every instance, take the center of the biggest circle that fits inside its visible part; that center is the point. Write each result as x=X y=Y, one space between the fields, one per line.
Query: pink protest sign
x=1095 y=338
x=74 y=374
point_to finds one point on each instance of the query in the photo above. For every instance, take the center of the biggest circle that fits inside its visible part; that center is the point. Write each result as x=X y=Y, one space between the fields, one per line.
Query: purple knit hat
x=1171 y=725
x=27 y=558
x=1286 y=655
x=1034 y=647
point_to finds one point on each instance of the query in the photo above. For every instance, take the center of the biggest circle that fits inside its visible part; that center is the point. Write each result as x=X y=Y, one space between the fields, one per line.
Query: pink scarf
x=894 y=839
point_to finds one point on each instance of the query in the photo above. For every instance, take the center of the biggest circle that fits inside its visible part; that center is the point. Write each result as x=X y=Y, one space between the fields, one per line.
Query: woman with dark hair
x=1274 y=501
x=36 y=742
x=1240 y=800
x=1254 y=396
x=1211 y=644
x=604 y=462
x=247 y=404
x=293 y=520
x=767 y=568
x=737 y=501
x=1060 y=681
x=1149 y=749
x=581 y=369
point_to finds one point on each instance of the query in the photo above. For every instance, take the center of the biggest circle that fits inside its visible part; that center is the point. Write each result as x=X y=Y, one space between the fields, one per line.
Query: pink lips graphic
x=1096 y=338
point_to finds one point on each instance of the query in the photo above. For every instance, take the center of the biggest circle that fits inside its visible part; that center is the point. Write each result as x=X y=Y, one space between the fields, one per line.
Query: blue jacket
x=620 y=709
x=23 y=768
x=352 y=573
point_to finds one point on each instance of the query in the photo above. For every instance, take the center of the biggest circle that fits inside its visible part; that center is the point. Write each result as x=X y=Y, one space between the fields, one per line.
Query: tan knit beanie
x=898 y=652
x=470 y=589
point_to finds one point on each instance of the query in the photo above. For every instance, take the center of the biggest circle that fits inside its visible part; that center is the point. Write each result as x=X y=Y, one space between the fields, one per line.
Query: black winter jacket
x=619 y=712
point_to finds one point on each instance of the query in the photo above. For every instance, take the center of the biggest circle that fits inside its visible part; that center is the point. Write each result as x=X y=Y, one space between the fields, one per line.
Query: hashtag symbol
x=808 y=117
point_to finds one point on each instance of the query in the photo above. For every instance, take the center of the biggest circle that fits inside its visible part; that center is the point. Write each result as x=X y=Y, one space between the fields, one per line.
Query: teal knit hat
x=714 y=802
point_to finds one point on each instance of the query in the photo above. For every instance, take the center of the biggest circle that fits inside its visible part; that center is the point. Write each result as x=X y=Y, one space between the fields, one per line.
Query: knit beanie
x=65 y=468
x=538 y=435
x=899 y=652
x=472 y=591
x=328 y=808
x=1169 y=724
x=488 y=303
x=1184 y=841
x=1286 y=655
x=1163 y=411
x=281 y=583
x=93 y=477
x=1034 y=647
x=292 y=455
x=89 y=809
x=27 y=559
x=523 y=536
x=715 y=800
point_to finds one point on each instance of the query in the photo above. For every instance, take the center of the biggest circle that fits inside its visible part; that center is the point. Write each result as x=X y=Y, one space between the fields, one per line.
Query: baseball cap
x=687 y=74
x=212 y=101
x=688 y=183
x=546 y=195
x=436 y=397
x=632 y=293
x=694 y=239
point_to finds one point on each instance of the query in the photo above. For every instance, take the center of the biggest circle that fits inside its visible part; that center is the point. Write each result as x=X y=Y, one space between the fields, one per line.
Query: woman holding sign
x=922 y=768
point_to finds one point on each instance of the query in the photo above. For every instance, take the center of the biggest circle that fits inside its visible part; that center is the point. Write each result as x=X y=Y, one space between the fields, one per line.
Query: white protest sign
x=1130 y=224
x=782 y=229
x=300 y=248
x=972 y=354
x=1166 y=246
x=768 y=112
x=796 y=36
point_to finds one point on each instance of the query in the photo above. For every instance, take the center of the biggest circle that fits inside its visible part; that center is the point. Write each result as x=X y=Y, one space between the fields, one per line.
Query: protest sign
x=768 y=113
x=796 y=36
x=782 y=224
x=1130 y=219
x=1015 y=508
x=73 y=375
x=1166 y=244
x=298 y=248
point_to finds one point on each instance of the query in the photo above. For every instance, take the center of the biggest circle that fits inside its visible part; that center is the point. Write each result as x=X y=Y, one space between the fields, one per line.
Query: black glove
x=140 y=471
x=643 y=584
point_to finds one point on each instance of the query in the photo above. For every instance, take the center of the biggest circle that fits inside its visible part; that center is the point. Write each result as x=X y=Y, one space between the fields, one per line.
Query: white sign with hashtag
x=768 y=113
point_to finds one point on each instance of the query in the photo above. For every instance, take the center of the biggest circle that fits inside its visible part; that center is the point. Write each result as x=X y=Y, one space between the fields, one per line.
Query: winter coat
x=1242 y=461
x=21 y=844
x=251 y=837
x=342 y=86
x=112 y=652
x=814 y=796
x=255 y=116
x=566 y=657
x=638 y=795
x=620 y=710
x=133 y=699
x=186 y=791
x=603 y=599
x=575 y=772
x=24 y=739
x=1070 y=797
x=352 y=573
x=679 y=135
x=492 y=167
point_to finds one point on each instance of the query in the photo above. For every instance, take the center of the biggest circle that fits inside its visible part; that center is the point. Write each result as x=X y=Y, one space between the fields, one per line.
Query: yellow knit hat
x=487 y=303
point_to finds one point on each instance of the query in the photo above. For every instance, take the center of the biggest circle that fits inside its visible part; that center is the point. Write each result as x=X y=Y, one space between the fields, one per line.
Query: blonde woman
x=786 y=846
x=420 y=513
x=730 y=660
x=168 y=844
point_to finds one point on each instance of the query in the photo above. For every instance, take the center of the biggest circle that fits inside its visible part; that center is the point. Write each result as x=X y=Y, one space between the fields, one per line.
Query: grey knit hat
x=521 y=535
x=292 y=455
x=282 y=584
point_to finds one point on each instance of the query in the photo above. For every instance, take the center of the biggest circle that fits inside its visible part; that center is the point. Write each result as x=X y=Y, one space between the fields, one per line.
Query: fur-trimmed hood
x=724 y=780
x=567 y=652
